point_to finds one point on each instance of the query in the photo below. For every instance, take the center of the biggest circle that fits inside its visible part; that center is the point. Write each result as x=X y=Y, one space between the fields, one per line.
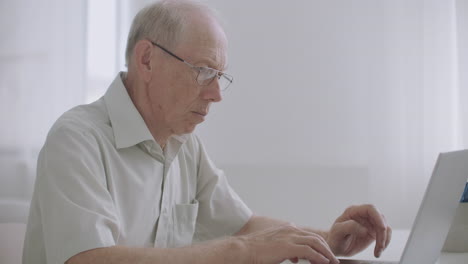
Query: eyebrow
x=212 y=64
x=209 y=58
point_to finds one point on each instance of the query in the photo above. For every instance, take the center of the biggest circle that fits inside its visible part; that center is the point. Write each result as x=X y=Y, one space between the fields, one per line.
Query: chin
x=191 y=129
x=187 y=130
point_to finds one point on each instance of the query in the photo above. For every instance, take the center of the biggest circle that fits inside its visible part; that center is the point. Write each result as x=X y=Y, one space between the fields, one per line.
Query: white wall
x=334 y=91
x=302 y=69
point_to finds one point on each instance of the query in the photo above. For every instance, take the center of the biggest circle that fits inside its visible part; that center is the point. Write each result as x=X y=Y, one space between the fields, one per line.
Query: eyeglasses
x=205 y=74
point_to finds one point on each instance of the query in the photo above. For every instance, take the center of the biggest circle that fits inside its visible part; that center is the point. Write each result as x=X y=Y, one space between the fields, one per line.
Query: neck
x=138 y=94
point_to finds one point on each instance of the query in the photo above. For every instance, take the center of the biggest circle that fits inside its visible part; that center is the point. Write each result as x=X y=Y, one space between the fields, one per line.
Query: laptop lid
x=437 y=210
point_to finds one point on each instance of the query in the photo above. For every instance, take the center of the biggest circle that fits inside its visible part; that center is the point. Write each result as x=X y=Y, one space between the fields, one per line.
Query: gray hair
x=163 y=22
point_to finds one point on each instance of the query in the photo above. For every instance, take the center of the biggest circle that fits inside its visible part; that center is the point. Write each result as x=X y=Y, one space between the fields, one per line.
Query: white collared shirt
x=102 y=181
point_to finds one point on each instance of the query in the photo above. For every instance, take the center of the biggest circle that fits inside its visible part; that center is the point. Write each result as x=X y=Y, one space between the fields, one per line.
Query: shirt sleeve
x=221 y=211
x=77 y=212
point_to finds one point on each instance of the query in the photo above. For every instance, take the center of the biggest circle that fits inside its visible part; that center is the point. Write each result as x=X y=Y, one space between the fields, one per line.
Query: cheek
x=183 y=96
x=176 y=96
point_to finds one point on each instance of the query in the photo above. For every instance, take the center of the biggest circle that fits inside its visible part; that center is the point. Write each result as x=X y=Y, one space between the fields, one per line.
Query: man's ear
x=143 y=52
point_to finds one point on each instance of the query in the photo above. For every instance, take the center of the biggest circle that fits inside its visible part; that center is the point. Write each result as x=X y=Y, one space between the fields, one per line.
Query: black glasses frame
x=218 y=74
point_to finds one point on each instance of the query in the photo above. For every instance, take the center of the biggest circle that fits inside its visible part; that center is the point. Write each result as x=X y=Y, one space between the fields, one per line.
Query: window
x=102 y=53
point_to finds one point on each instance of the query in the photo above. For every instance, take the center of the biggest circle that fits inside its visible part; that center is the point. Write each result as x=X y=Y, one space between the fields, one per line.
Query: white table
x=395 y=250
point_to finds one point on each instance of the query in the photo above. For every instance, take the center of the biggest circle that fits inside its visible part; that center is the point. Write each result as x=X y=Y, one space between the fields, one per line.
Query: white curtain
x=42 y=63
x=417 y=110
x=108 y=23
x=462 y=56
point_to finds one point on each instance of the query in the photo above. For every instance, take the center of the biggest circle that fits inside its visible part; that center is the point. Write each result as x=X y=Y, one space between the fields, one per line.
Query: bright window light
x=101 y=57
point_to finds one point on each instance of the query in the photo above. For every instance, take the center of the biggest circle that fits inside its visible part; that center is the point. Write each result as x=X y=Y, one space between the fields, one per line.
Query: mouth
x=200 y=113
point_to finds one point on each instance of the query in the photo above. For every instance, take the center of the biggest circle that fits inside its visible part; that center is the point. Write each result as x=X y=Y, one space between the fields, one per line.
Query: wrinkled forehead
x=204 y=41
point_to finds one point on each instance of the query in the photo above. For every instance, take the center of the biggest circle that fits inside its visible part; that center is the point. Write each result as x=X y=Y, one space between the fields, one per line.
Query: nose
x=212 y=92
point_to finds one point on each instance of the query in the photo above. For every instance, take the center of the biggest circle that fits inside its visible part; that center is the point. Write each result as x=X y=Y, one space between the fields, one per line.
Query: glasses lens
x=207 y=75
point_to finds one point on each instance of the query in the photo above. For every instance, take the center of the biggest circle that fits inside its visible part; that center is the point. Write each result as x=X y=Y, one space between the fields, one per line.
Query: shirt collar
x=127 y=124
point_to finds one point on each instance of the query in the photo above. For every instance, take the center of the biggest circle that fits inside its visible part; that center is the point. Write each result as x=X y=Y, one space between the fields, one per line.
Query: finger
x=381 y=233
x=389 y=236
x=308 y=253
x=379 y=245
x=304 y=232
x=350 y=231
x=381 y=238
x=318 y=245
x=294 y=260
x=377 y=220
x=379 y=225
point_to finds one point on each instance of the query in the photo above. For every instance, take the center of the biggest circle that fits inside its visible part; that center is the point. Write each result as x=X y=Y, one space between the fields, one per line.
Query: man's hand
x=356 y=229
x=277 y=244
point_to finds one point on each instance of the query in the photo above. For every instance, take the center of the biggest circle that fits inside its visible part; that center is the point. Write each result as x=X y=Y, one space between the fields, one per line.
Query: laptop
x=436 y=213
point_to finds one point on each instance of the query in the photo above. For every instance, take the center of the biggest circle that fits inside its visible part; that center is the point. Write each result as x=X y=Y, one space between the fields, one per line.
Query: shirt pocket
x=184 y=219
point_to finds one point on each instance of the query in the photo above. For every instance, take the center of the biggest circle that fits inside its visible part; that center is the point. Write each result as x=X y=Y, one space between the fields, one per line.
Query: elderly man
x=123 y=180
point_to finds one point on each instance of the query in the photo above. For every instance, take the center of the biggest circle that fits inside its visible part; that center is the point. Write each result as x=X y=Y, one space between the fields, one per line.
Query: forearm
x=231 y=250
